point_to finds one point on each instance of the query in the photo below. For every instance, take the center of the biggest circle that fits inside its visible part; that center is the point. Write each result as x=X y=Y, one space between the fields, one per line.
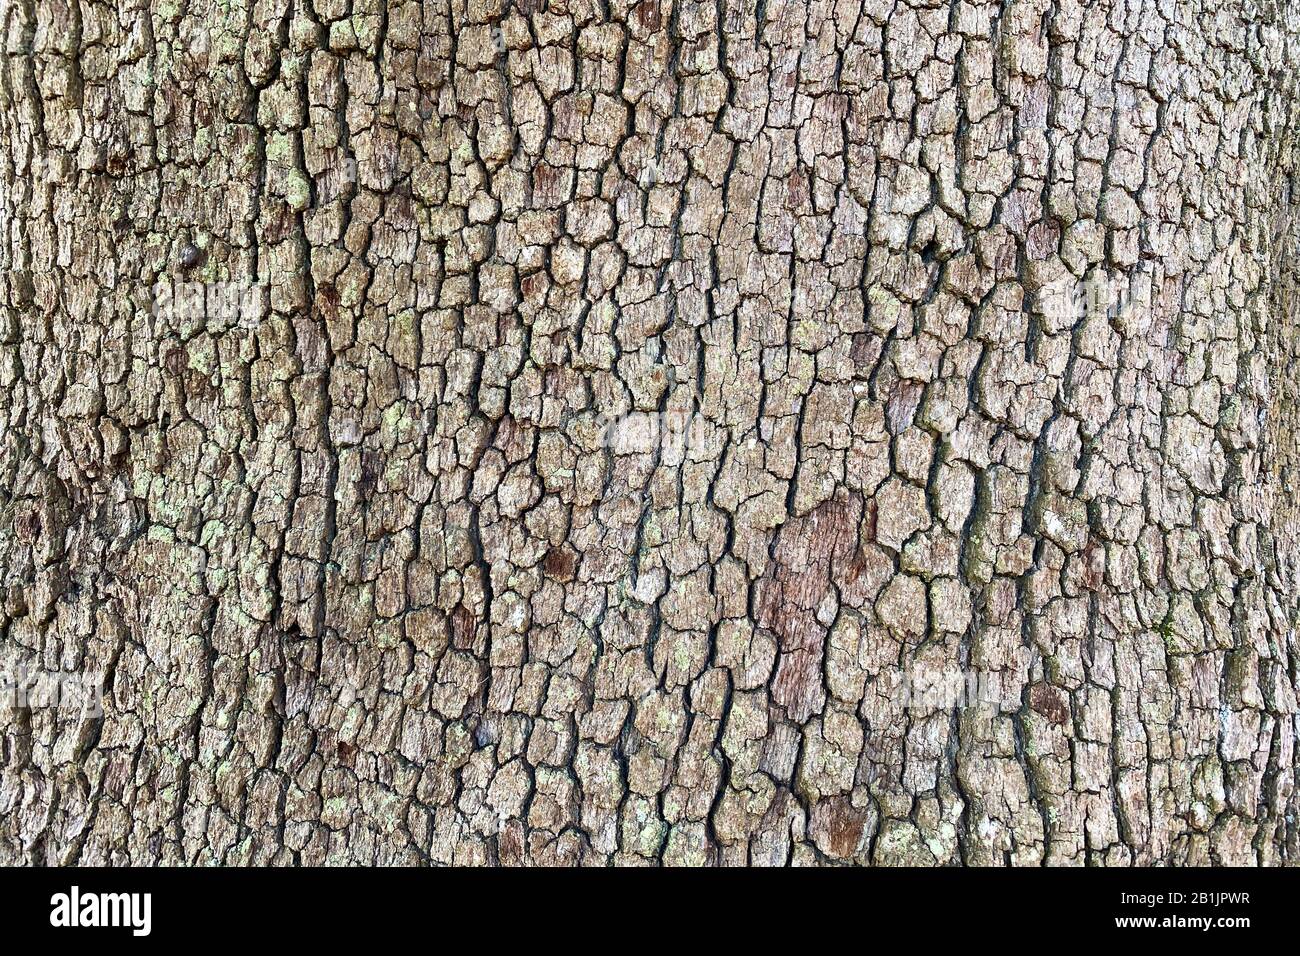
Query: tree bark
x=801 y=432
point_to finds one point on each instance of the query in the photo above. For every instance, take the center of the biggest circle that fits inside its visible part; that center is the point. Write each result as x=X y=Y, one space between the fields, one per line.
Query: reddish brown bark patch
x=649 y=15
x=837 y=827
x=462 y=628
x=510 y=844
x=1048 y=702
x=810 y=552
x=560 y=563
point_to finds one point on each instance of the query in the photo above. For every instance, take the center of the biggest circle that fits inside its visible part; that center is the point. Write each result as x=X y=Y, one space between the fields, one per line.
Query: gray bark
x=605 y=430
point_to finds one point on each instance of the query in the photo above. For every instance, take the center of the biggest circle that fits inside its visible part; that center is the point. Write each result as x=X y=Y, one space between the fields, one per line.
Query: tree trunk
x=685 y=433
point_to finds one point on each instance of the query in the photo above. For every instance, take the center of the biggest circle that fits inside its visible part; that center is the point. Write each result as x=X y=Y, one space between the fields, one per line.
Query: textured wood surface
x=594 y=412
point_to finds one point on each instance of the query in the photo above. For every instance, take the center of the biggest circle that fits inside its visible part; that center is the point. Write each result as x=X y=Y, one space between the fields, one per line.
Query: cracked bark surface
x=369 y=583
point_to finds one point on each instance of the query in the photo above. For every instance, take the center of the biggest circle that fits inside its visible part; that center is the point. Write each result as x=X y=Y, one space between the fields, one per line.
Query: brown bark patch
x=649 y=15
x=837 y=826
x=560 y=563
x=327 y=302
x=810 y=552
x=462 y=628
x=1048 y=702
